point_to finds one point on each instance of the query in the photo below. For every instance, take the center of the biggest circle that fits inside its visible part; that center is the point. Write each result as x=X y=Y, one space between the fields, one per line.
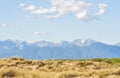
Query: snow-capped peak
x=44 y=43
x=63 y=43
x=83 y=42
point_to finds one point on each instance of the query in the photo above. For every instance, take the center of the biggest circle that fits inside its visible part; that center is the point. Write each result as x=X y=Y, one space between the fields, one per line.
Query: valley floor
x=92 y=68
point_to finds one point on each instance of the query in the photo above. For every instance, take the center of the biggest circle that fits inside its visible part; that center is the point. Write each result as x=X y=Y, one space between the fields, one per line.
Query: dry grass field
x=92 y=68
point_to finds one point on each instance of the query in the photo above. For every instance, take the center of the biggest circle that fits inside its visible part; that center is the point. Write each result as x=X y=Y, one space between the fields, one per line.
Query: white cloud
x=44 y=10
x=3 y=25
x=22 y=4
x=30 y=8
x=81 y=9
x=102 y=9
x=82 y=15
x=7 y=25
x=40 y=33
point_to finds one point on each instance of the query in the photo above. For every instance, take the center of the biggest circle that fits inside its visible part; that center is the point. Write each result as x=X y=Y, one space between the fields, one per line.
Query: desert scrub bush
x=113 y=61
x=68 y=75
x=25 y=62
x=15 y=58
x=107 y=60
x=41 y=64
x=75 y=74
x=92 y=68
x=97 y=60
x=60 y=62
x=116 y=72
x=8 y=73
x=83 y=63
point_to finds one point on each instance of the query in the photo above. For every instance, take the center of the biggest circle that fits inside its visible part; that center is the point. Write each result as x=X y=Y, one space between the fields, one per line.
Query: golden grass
x=95 y=68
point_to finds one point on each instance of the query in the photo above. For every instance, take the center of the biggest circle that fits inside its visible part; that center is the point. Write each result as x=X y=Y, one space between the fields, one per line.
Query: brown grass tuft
x=95 y=68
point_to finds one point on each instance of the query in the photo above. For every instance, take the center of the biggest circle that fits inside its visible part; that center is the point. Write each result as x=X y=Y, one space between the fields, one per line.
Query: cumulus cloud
x=40 y=33
x=102 y=9
x=44 y=10
x=82 y=15
x=29 y=8
x=80 y=9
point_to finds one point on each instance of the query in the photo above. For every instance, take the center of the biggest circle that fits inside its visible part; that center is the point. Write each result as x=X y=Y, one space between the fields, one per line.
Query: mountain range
x=78 y=49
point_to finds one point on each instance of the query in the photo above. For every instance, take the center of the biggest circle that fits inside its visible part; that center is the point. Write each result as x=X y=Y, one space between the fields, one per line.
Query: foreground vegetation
x=93 y=68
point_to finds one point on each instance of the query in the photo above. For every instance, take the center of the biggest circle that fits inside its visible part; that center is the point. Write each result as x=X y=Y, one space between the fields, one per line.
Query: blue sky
x=26 y=20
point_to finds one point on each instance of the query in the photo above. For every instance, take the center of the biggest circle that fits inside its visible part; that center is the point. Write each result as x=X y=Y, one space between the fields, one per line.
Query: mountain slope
x=78 y=49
